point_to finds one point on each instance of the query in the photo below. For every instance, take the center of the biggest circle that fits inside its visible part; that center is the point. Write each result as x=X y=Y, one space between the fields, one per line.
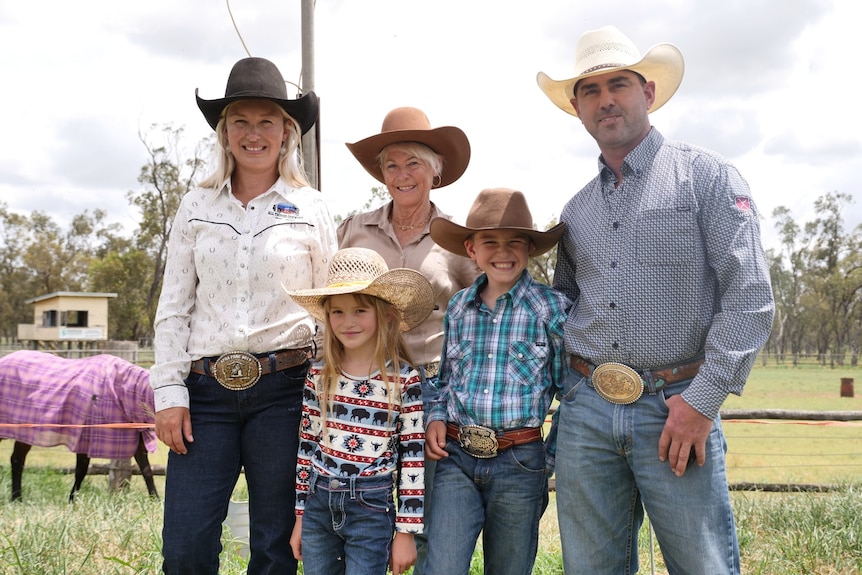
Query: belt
x=239 y=370
x=484 y=442
x=621 y=384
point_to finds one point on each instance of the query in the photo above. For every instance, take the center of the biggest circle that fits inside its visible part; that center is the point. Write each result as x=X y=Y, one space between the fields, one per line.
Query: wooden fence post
x=846 y=387
x=119 y=474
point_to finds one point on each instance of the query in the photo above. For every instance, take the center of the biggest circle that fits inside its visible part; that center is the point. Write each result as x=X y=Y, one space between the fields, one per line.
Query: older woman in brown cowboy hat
x=411 y=158
x=231 y=346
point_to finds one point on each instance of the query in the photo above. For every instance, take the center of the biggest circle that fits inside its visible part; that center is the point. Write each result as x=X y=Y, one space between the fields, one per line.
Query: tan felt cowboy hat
x=258 y=78
x=360 y=270
x=412 y=125
x=607 y=49
x=495 y=209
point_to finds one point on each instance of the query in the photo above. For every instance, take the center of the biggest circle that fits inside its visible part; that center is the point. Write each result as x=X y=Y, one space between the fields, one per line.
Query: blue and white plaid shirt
x=501 y=368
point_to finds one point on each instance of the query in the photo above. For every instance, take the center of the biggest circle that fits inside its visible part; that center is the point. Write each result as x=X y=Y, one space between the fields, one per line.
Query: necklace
x=413 y=227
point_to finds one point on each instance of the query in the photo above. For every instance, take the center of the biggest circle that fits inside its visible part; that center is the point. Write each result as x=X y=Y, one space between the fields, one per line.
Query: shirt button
x=520 y=356
x=613 y=305
x=490 y=356
x=615 y=345
x=616 y=225
x=613 y=265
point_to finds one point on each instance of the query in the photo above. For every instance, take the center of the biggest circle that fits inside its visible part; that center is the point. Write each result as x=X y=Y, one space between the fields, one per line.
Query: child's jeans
x=348 y=525
x=503 y=497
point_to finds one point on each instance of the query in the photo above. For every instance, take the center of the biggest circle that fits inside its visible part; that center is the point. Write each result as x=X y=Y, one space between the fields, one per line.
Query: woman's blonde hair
x=388 y=349
x=290 y=167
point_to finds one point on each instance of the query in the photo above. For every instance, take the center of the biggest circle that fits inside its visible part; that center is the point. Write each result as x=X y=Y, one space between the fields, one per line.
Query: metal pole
x=311 y=140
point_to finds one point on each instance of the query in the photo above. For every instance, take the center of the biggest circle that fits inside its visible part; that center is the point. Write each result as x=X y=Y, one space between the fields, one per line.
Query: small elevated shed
x=70 y=320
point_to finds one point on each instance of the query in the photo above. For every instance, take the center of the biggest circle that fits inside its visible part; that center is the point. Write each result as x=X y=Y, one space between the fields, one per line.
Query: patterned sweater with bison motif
x=365 y=437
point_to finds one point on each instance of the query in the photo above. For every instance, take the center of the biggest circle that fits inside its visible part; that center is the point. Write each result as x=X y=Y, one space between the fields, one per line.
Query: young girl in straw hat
x=362 y=427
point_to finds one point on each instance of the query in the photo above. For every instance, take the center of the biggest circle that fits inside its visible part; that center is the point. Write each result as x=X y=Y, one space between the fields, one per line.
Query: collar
x=638 y=160
x=516 y=293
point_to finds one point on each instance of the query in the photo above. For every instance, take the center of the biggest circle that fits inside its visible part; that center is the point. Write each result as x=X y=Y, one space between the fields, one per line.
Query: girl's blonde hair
x=389 y=348
x=290 y=167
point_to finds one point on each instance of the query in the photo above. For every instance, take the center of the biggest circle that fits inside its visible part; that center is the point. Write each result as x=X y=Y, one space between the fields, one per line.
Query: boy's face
x=501 y=254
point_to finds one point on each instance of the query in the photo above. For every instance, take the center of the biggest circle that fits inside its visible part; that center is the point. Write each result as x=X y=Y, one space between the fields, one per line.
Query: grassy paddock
x=780 y=534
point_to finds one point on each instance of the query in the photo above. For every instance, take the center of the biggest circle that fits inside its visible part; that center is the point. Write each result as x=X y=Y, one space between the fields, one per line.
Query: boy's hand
x=435 y=441
x=403 y=553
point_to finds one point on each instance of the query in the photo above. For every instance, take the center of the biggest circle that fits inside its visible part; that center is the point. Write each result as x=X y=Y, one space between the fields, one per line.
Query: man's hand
x=435 y=441
x=172 y=425
x=685 y=430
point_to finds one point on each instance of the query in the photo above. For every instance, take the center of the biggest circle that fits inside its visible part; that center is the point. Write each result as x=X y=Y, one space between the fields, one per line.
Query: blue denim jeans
x=256 y=429
x=502 y=497
x=347 y=526
x=608 y=472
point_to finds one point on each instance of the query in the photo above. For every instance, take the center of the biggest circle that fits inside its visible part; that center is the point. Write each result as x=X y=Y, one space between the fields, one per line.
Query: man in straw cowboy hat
x=503 y=362
x=663 y=259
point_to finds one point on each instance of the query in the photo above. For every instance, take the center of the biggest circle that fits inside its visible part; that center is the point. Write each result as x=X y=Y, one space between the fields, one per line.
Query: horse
x=98 y=407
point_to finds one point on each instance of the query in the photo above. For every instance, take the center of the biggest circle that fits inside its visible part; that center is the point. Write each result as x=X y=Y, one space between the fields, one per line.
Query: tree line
x=816 y=270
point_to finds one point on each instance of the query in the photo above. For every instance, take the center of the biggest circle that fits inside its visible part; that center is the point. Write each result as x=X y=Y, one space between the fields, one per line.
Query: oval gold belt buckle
x=617 y=383
x=236 y=370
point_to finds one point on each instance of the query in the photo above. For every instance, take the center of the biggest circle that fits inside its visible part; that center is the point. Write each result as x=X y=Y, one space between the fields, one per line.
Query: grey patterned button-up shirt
x=668 y=267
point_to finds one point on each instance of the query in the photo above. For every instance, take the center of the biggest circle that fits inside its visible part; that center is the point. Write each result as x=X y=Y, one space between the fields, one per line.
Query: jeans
x=256 y=429
x=502 y=497
x=421 y=539
x=608 y=472
x=347 y=525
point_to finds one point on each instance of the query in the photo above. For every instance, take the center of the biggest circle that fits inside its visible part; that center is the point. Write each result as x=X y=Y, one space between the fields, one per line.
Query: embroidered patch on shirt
x=284 y=210
x=743 y=203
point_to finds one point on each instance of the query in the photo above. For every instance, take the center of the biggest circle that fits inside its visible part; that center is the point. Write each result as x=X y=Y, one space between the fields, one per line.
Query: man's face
x=614 y=108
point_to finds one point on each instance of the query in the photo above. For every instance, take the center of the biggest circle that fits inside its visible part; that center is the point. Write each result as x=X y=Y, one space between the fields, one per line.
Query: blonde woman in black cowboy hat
x=411 y=159
x=232 y=349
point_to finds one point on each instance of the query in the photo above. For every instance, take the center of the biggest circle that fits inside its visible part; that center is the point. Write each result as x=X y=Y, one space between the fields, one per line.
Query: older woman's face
x=407 y=178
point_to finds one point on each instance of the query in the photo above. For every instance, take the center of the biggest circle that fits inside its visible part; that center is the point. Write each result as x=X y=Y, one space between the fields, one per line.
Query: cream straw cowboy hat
x=412 y=125
x=607 y=49
x=360 y=270
x=495 y=209
x=259 y=79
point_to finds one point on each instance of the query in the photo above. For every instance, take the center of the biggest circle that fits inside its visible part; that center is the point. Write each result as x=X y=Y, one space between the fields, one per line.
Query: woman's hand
x=172 y=426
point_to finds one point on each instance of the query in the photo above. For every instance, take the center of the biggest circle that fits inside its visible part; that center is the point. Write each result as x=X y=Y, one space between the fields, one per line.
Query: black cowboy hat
x=258 y=78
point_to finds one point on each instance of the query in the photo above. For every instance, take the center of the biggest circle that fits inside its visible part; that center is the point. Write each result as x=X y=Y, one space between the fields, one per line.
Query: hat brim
x=662 y=64
x=448 y=141
x=451 y=236
x=406 y=289
x=304 y=109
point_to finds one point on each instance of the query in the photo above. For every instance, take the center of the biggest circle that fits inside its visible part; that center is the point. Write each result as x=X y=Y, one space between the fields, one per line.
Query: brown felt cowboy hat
x=364 y=271
x=495 y=209
x=258 y=78
x=412 y=125
x=607 y=49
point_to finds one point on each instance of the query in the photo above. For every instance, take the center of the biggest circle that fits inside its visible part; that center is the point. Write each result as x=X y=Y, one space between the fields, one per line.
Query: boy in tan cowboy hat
x=362 y=424
x=663 y=259
x=503 y=362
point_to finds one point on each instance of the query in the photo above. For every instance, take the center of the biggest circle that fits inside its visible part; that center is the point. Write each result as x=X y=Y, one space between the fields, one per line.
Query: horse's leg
x=19 y=456
x=82 y=465
x=144 y=465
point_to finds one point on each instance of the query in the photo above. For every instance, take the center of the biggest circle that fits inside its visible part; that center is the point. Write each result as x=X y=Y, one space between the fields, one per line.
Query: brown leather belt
x=484 y=442
x=661 y=377
x=239 y=370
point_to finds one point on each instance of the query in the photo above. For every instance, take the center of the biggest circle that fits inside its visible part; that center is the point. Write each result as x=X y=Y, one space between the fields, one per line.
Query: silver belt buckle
x=617 y=383
x=236 y=370
x=478 y=441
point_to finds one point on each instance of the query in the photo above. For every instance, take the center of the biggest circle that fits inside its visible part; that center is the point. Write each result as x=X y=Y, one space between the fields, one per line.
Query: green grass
x=780 y=534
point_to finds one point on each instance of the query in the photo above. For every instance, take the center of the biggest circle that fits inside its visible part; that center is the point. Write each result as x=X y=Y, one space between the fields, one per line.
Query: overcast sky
x=768 y=84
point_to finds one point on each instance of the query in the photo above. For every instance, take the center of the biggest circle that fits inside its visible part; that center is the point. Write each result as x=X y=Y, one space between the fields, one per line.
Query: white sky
x=770 y=84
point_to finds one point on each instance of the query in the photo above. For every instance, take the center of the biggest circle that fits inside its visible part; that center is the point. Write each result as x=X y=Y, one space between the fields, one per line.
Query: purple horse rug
x=44 y=389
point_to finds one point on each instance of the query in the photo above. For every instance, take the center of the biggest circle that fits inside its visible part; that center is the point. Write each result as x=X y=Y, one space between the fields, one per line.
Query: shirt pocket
x=526 y=362
x=459 y=359
x=667 y=237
